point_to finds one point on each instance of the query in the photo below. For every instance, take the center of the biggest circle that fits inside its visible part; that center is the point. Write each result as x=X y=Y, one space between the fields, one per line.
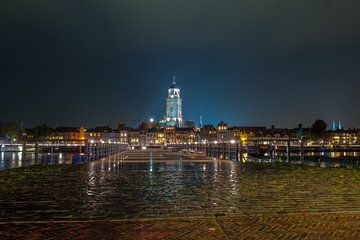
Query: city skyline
x=247 y=63
x=181 y=119
x=173 y=116
x=161 y=119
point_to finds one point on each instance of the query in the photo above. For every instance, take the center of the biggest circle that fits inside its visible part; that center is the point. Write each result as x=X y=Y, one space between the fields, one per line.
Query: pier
x=149 y=193
x=271 y=149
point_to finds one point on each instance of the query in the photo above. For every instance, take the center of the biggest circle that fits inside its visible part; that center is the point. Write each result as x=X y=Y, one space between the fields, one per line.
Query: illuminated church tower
x=174 y=115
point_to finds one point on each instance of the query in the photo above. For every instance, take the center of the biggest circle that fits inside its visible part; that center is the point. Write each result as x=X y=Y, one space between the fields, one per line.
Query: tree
x=42 y=131
x=318 y=129
x=10 y=129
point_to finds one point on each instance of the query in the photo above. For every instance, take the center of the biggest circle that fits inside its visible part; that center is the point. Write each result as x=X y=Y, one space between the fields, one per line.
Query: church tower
x=174 y=115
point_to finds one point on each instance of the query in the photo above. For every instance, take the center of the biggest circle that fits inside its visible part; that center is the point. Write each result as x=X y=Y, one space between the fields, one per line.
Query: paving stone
x=166 y=187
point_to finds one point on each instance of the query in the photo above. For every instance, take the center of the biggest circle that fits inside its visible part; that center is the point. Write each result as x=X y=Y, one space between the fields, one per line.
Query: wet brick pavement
x=149 y=195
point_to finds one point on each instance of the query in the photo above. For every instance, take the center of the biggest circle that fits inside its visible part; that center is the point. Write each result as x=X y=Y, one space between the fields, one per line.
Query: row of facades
x=152 y=136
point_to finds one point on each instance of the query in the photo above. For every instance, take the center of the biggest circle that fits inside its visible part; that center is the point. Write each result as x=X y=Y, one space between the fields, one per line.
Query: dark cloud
x=247 y=62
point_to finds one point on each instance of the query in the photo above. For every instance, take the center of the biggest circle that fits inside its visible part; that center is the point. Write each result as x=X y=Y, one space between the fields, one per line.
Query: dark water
x=324 y=159
x=18 y=159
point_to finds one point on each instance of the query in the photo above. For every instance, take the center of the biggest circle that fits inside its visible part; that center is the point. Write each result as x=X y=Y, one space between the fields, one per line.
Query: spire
x=173 y=84
x=340 y=126
x=334 y=126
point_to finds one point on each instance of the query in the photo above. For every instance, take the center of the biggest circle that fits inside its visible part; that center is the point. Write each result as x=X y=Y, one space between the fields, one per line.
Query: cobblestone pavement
x=149 y=195
x=292 y=226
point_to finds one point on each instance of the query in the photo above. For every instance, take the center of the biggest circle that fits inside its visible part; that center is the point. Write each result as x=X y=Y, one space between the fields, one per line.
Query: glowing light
x=232 y=141
x=151 y=120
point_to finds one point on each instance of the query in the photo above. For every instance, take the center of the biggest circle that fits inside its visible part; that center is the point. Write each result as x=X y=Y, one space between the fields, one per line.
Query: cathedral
x=174 y=114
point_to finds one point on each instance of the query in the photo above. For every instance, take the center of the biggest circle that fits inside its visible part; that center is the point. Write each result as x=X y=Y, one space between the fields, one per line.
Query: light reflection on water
x=117 y=163
x=156 y=177
x=18 y=159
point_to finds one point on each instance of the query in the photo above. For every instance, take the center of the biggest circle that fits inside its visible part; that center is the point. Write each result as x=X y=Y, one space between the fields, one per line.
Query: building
x=124 y=136
x=105 y=133
x=246 y=132
x=142 y=138
x=208 y=133
x=68 y=135
x=29 y=134
x=186 y=135
x=170 y=134
x=174 y=113
x=133 y=137
x=344 y=137
x=155 y=137
x=190 y=124
x=222 y=132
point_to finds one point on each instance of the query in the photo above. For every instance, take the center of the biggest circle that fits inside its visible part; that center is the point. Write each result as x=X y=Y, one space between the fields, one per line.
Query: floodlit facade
x=70 y=135
x=222 y=132
x=155 y=137
x=174 y=113
x=344 y=137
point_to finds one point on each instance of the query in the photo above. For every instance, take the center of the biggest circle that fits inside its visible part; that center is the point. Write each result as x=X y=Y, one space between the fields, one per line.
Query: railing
x=286 y=152
x=95 y=150
x=231 y=151
x=234 y=150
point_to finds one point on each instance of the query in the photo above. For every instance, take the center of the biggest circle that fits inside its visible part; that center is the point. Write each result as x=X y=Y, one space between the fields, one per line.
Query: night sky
x=247 y=62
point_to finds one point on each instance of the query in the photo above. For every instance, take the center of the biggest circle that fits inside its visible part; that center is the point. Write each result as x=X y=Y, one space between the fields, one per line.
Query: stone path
x=293 y=226
x=143 y=195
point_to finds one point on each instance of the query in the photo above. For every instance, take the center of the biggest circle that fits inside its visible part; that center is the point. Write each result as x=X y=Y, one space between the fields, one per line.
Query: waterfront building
x=222 y=132
x=123 y=136
x=174 y=112
x=344 y=137
x=170 y=134
x=104 y=133
x=283 y=132
x=133 y=138
x=239 y=133
x=29 y=134
x=154 y=137
x=186 y=135
x=190 y=124
x=142 y=138
x=68 y=135
x=208 y=133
